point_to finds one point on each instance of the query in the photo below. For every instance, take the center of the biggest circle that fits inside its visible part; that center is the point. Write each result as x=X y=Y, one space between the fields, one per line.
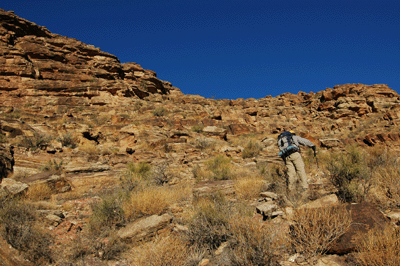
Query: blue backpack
x=291 y=146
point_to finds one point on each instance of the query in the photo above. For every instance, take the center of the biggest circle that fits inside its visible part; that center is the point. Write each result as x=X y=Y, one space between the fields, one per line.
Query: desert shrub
x=349 y=173
x=106 y=214
x=198 y=128
x=159 y=175
x=251 y=149
x=168 y=251
x=199 y=173
x=208 y=226
x=52 y=166
x=160 y=111
x=68 y=140
x=314 y=229
x=18 y=227
x=143 y=169
x=111 y=249
x=203 y=143
x=379 y=247
x=37 y=141
x=135 y=175
x=220 y=167
x=253 y=242
x=39 y=191
x=152 y=200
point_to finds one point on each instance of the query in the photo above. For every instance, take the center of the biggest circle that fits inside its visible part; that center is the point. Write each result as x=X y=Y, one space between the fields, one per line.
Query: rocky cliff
x=35 y=62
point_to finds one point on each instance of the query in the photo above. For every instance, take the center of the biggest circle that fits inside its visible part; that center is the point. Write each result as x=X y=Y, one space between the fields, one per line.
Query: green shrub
x=160 y=111
x=68 y=140
x=105 y=215
x=37 y=141
x=208 y=227
x=203 y=143
x=52 y=166
x=220 y=167
x=350 y=174
x=252 y=149
x=198 y=128
x=17 y=223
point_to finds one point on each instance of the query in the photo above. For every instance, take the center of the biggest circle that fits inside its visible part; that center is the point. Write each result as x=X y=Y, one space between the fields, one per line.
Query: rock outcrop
x=35 y=62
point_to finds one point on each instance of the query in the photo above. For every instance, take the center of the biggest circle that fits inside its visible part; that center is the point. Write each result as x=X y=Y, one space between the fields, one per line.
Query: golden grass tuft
x=153 y=200
x=249 y=187
x=89 y=148
x=161 y=252
x=379 y=247
x=39 y=191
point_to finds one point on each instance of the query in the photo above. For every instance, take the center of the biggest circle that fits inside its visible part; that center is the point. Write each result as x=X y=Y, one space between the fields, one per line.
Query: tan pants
x=295 y=166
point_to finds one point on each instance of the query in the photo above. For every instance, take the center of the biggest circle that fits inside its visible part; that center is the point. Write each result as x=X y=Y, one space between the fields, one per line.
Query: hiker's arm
x=304 y=141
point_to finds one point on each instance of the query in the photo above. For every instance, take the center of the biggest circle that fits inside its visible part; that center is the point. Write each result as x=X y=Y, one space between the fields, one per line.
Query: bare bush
x=313 y=230
x=253 y=242
x=19 y=229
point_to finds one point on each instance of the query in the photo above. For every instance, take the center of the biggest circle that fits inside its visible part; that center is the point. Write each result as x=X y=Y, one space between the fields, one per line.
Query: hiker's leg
x=292 y=177
x=299 y=165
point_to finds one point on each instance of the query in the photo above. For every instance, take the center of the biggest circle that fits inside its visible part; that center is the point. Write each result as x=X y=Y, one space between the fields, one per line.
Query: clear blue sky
x=231 y=49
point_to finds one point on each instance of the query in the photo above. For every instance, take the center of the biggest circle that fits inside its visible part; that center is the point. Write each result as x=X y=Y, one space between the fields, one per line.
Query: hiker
x=289 y=151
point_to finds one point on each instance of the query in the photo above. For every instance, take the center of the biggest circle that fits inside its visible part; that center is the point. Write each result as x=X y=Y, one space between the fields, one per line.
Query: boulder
x=13 y=187
x=214 y=131
x=326 y=201
x=204 y=188
x=364 y=218
x=144 y=228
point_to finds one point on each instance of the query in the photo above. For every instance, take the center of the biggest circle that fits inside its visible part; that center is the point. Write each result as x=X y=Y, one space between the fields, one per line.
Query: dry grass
x=153 y=200
x=39 y=191
x=379 y=248
x=89 y=148
x=169 y=251
x=384 y=165
x=313 y=230
x=249 y=187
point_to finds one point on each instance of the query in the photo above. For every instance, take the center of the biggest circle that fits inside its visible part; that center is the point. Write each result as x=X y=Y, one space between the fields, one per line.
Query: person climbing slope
x=289 y=151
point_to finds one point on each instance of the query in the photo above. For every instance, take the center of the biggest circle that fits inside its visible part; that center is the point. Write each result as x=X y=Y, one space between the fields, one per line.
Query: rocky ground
x=79 y=130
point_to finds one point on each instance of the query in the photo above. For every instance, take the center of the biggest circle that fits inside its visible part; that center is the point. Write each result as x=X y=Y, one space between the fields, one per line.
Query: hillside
x=88 y=134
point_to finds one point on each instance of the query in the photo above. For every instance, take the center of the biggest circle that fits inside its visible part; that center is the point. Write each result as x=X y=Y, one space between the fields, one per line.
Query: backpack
x=287 y=138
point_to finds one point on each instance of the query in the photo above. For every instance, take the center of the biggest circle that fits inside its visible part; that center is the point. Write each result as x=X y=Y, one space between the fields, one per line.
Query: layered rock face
x=35 y=62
